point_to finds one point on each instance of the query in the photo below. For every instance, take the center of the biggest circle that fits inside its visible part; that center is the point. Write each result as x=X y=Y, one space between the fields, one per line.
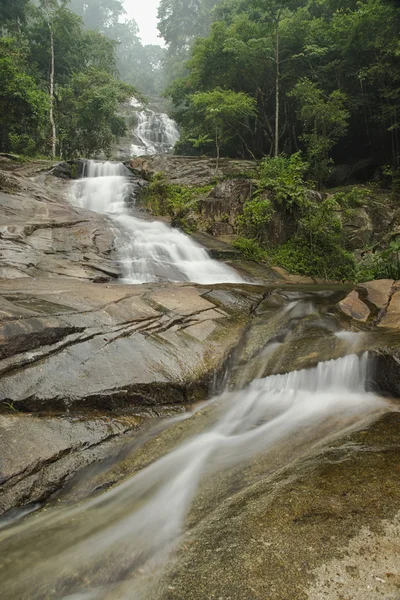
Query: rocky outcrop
x=190 y=171
x=69 y=345
x=40 y=455
x=102 y=359
x=353 y=307
x=375 y=301
x=42 y=235
x=224 y=204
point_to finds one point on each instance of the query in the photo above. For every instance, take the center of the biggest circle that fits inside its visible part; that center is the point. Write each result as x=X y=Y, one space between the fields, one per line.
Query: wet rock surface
x=39 y=455
x=311 y=530
x=72 y=345
x=42 y=235
x=108 y=357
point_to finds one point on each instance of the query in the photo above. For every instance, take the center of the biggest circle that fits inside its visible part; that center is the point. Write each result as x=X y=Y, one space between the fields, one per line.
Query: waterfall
x=149 y=251
x=115 y=545
x=155 y=133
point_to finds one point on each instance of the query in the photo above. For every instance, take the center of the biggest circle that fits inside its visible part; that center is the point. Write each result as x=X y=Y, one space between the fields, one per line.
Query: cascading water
x=149 y=250
x=155 y=133
x=114 y=546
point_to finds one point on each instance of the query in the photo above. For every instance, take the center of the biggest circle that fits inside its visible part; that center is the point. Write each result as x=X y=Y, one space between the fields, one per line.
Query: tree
x=324 y=121
x=49 y=7
x=99 y=14
x=23 y=104
x=13 y=11
x=87 y=113
x=275 y=11
x=223 y=111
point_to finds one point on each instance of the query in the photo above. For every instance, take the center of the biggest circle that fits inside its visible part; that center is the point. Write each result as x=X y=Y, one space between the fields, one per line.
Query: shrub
x=164 y=198
x=257 y=213
x=284 y=177
x=328 y=261
x=353 y=198
x=383 y=264
x=250 y=249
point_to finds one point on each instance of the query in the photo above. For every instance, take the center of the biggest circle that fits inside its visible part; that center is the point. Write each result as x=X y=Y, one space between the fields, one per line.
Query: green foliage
x=339 y=81
x=87 y=94
x=221 y=112
x=138 y=65
x=163 y=198
x=257 y=213
x=354 y=198
x=382 y=264
x=317 y=247
x=284 y=178
x=324 y=122
x=88 y=106
x=327 y=260
x=22 y=144
x=23 y=105
x=250 y=249
x=393 y=174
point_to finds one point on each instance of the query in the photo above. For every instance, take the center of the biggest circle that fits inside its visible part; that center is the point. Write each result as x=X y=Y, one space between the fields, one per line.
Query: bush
x=250 y=249
x=257 y=213
x=284 y=177
x=383 y=264
x=22 y=144
x=164 y=198
x=354 y=198
x=327 y=260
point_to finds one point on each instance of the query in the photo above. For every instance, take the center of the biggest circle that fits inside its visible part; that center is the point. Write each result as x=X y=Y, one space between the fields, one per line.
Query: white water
x=155 y=133
x=115 y=545
x=149 y=250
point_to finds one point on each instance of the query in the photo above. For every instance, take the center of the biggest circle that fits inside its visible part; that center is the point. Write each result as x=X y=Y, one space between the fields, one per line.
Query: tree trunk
x=52 y=122
x=276 y=151
x=217 y=148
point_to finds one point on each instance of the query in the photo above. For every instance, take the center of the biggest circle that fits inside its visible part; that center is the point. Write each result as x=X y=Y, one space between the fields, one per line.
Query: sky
x=145 y=14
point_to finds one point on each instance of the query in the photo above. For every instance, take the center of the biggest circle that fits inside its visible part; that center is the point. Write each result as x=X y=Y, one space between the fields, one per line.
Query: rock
x=39 y=455
x=111 y=348
x=358 y=228
x=355 y=308
x=281 y=533
x=217 y=247
x=295 y=279
x=391 y=319
x=385 y=372
x=188 y=170
x=42 y=235
x=225 y=203
x=378 y=292
x=70 y=169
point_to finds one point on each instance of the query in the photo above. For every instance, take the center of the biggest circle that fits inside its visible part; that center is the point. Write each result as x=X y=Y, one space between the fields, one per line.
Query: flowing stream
x=116 y=545
x=155 y=133
x=149 y=250
x=119 y=544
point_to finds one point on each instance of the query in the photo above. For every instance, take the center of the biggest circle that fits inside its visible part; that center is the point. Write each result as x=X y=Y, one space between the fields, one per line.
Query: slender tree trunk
x=52 y=121
x=276 y=151
x=217 y=148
